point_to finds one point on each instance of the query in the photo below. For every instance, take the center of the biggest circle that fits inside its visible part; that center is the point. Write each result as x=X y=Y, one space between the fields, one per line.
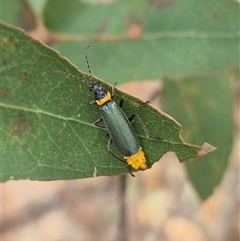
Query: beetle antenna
x=86 y=56
x=68 y=75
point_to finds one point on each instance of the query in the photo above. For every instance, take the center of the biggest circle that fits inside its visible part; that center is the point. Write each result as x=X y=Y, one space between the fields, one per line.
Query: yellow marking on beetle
x=105 y=99
x=137 y=160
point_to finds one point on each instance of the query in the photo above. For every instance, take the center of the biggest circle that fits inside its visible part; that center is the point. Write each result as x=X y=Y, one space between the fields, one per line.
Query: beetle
x=118 y=126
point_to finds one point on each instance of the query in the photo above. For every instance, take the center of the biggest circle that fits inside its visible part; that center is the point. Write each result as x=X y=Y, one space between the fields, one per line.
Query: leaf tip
x=205 y=149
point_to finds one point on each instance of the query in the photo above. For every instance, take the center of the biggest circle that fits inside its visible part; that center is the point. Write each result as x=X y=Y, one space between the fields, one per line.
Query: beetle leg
x=132 y=117
x=109 y=147
x=98 y=121
x=92 y=102
x=133 y=103
x=121 y=103
x=113 y=89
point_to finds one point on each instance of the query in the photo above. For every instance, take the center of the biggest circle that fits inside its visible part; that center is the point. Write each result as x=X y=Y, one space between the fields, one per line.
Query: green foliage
x=203 y=103
x=178 y=38
x=47 y=129
x=46 y=123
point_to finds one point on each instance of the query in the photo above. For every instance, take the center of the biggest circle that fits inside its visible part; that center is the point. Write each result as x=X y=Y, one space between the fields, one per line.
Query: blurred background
x=183 y=56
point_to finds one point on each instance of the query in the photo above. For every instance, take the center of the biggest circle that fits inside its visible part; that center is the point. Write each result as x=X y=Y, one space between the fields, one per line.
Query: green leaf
x=10 y=11
x=47 y=129
x=174 y=38
x=203 y=103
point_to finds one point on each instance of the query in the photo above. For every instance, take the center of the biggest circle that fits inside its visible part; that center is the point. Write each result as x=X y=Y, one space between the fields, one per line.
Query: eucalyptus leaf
x=47 y=130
